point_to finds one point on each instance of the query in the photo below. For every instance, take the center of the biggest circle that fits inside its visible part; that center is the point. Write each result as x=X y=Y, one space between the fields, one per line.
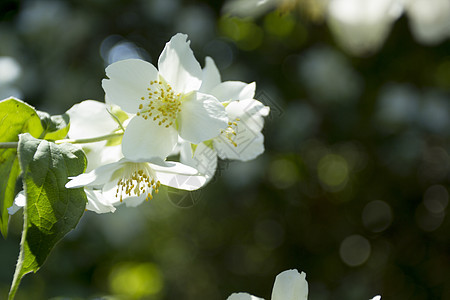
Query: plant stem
x=7 y=145
x=90 y=140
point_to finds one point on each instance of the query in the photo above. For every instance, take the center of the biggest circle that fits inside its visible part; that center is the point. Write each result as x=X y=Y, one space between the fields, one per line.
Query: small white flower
x=242 y=138
x=133 y=182
x=289 y=285
x=165 y=102
x=19 y=201
x=429 y=20
x=89 y=119
x=361 y=26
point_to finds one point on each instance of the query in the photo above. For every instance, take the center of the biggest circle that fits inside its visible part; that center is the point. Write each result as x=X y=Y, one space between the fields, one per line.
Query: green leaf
x=16 y=117
x=9 y=172
x=55 y=127
x=51 y=210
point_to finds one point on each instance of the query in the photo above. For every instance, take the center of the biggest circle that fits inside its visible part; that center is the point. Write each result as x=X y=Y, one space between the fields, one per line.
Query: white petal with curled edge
x=177 y=64
x=233 y=90
x=19 y=201
x=290 y=285
x=202 y=117
x=95 y=178
x=204 y=159
x=145 y=139
x=243 y=296
x=90 y=118
x=211 y=76
x=378 y=297
x=174 y=168
x=180 y=181
x=97 y=202
x=128 y=82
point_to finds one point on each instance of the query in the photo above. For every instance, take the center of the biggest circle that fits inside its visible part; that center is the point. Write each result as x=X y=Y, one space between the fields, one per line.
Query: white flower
x=165 y=102
x=289 y=285
x=242 y=138
x=89 y=119
x=19 y=201
x=133 y=182
x=361 y=26
x=429 y=20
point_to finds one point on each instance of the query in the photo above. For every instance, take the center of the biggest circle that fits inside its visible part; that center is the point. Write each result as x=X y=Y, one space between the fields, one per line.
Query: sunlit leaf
x=16 y=117
x=51 y=210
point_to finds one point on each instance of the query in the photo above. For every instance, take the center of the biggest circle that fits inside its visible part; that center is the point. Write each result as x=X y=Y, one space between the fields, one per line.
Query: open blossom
x=429 y=20
x=165 y=102
x=289 y=285
x=131 y=182
x=361 y=26
x=242 y=138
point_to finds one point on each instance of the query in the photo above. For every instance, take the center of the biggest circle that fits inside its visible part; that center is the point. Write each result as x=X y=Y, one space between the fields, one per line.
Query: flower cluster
x=362 y=26
x=152 y=113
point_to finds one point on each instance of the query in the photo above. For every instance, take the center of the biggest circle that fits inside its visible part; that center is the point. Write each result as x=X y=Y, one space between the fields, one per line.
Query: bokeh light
x=354 y=250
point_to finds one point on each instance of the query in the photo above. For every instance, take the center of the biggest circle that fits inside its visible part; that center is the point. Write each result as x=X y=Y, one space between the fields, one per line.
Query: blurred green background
x=352 y=188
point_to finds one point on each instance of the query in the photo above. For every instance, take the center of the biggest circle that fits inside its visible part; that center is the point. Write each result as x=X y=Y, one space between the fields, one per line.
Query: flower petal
x=290 y=285
x=98 y=154
x=243 y=296
x=249 y=145
x=145 y=139
x=95 y=178
x=19 y=201
x=249 y=111
x=201 y=118
x=129 y=80
x=204 y=159
x=173 y=168
x=210 y=76
x=182 y=182
x=178 y=66
x=179 y=176
x=97 y=202
x=90 y=118
x=233 y=90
